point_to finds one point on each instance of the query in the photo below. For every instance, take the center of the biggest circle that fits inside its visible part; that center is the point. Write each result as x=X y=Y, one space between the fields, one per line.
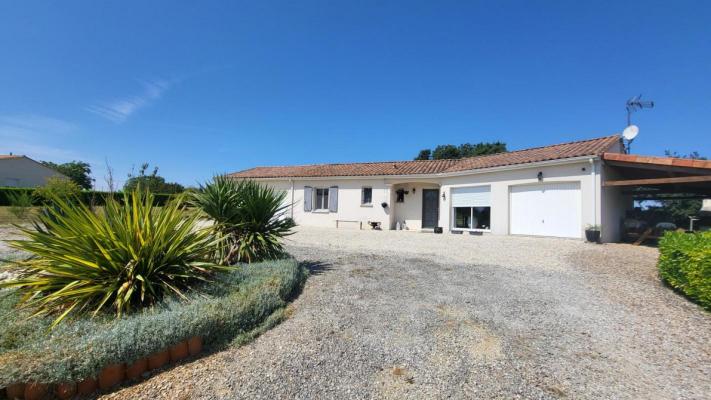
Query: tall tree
x=450 y=151
x=152 y=181
x=424 y=154
x=446 y=151
x=78 y=172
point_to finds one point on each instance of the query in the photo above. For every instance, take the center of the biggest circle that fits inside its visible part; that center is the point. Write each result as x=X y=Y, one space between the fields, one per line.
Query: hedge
x=86 y=196
x=229 y=309
x=685 y=264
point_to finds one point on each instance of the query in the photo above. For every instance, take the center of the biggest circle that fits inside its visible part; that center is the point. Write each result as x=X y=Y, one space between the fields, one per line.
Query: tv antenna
x=634 y=104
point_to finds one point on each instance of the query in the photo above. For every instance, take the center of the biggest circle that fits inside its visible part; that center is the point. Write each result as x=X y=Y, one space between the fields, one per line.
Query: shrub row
x=236 y=303
x=685 y=264
x=90 y=197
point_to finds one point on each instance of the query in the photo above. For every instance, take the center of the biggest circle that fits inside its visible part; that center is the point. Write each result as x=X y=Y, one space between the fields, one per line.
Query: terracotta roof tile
x=5 y=156
x=593 y=147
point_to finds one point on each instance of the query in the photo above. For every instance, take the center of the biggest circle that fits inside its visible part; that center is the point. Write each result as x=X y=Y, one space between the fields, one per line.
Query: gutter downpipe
x=292 y=198
x=594 y=190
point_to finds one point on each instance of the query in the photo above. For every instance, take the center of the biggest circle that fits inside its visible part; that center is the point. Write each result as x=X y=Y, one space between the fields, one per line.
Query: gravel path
x=410 y=315
x=7 y=253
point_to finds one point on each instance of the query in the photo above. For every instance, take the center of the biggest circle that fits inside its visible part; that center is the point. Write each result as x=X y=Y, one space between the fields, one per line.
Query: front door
x=430 y=207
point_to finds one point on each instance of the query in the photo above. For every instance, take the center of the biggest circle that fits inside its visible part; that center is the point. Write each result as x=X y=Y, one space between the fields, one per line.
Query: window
x=472 y=217
x=321 y=199
x=472 y=207
x=366 y=196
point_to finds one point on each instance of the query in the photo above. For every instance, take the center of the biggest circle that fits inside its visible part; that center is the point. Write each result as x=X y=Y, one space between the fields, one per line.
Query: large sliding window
x=471 y=208
x=472 y=218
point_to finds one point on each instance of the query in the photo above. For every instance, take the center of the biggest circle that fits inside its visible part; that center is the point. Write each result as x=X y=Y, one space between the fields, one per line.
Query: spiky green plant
x=20 y=204
x=249 y=217
x=129 y=256
x=263 y=222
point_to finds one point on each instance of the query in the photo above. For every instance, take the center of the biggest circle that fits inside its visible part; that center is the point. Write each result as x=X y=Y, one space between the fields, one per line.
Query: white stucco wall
x=410 y=211
x=598 y=206
x=349 y=201
x=613 y=208
x=501 y=181
x=24 y=172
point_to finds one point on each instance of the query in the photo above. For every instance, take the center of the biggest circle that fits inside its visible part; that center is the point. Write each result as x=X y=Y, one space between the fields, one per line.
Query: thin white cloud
x=28 y=125
x=120 y=110
x=31 y=135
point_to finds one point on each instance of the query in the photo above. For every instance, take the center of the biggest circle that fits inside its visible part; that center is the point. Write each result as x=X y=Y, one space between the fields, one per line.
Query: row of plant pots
x=112 y=375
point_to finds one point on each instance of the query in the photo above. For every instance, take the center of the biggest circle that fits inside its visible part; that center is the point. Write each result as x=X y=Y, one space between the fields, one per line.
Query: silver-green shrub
x=235 y=304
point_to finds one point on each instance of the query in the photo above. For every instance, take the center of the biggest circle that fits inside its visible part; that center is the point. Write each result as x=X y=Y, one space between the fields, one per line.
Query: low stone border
x=110 y=376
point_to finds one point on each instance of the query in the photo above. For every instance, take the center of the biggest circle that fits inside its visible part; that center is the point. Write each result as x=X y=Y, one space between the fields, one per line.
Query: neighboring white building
x=546 y=191
x=22 y=171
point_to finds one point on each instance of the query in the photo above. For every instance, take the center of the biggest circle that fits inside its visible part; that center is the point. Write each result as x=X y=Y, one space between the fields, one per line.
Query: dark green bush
x=233 y=307
x=8 y=193
x=685 y=264
x=88 y=197
x=20 y=204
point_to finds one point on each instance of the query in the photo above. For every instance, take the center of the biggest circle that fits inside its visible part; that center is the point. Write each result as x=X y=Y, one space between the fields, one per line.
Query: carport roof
x=656 y=178
x=591 y=147
x=633 y=159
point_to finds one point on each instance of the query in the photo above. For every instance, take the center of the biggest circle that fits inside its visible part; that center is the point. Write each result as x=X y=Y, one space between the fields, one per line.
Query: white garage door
x=549 y=209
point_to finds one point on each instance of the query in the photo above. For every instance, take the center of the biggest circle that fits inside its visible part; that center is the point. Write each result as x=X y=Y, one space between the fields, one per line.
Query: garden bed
x=221 y=312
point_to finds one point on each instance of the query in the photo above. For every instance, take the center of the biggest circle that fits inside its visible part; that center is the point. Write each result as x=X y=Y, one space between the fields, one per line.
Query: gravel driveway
x=413 y=315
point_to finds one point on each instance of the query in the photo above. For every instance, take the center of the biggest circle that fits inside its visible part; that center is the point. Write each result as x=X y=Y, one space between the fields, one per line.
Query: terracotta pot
x=195 y=345
x=36 y=391
x=179 y=351
x=87 y=386
x=16 y=391
x=136 y=370
x=111 y=375
x=158 y=359
x=66 y=391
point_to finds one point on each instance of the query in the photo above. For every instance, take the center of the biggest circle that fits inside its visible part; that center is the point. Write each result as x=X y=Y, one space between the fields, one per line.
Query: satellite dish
x=630 y=132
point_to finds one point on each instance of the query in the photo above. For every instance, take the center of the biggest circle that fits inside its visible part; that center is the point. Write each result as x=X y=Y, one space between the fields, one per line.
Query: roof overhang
x=563 y=161
x=655 y=178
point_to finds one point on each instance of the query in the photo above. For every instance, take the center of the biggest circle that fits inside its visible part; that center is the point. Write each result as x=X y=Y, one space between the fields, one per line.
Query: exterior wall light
x=540 y=176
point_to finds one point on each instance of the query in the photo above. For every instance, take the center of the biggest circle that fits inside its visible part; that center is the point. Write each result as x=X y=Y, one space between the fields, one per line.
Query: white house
x=554 y=190
x=22 y=171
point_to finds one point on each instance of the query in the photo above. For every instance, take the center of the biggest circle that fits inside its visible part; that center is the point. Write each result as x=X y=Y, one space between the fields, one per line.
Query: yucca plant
x=263 y=222
x=127 y=257
x=249 y=217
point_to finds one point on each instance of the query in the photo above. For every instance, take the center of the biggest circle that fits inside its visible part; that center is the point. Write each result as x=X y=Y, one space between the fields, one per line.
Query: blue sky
x=199 y=88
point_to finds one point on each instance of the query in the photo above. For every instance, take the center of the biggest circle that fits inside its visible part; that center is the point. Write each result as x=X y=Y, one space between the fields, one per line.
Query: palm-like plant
x=129 y=256
x=250 y=218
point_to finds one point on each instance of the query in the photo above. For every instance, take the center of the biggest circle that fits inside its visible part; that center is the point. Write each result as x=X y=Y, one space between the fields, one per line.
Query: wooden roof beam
x=658 y=181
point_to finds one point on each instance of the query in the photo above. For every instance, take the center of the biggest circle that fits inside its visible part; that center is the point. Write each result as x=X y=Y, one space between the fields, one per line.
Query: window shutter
x=333 y=199
x=308 y=198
